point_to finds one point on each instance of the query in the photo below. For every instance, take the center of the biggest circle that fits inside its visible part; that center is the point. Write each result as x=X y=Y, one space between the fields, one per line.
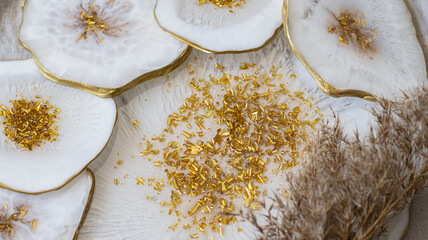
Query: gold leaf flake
x=135 y=123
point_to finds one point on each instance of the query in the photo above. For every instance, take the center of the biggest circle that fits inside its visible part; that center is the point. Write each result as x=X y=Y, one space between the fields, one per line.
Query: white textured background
x=9 y=49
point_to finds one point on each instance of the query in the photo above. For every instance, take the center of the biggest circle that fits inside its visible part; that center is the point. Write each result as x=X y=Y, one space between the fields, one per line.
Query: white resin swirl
x=84 y=126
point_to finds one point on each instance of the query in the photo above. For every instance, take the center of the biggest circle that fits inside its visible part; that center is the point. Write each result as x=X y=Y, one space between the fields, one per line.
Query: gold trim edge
x=88 y=204
x=14 y=60
x=206 y=50
x=404 y=233
x=72 y=177
x=100 y=91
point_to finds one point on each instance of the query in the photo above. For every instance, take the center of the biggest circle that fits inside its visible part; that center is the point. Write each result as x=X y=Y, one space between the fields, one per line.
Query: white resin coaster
x=80 y=131
x=362 y=48
x=241 y=26
x=50 y=216
x=100 y=46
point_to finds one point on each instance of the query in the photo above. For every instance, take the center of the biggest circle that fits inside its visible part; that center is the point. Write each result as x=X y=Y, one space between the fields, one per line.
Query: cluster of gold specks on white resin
x=30 y=123
x=224 y=3
x=10 y=218
x=351 y=30
x=98 y=21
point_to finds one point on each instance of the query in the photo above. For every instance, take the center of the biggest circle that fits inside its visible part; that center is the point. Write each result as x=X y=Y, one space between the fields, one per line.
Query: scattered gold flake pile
x=30 y=123
x=8 y=221
x=94 y=23
x=257 y=130
x=351 y=28
x=224 y=3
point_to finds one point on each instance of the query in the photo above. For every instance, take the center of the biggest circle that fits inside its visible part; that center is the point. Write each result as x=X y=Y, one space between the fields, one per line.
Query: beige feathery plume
x=348 y=189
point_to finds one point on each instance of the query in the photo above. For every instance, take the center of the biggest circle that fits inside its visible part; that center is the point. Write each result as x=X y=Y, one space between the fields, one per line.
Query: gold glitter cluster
x=351 y=28
x=30 y=123
x=224 y=3
x=93 y=22
x=8 y=221
x=222 y=167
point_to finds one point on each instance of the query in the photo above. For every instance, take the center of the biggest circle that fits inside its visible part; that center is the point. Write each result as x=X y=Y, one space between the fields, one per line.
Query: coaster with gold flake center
x=104 y=47
x=48 y=132
x=221 y=26
x=50 y=216
x=359 y=48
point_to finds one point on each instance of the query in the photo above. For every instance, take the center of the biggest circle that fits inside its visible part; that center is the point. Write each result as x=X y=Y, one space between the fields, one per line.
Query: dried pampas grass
x=348 y=189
